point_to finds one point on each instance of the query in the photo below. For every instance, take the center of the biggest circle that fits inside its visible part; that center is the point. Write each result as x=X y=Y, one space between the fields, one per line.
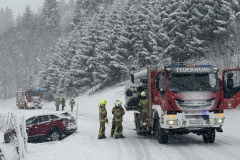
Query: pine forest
x=70 y=47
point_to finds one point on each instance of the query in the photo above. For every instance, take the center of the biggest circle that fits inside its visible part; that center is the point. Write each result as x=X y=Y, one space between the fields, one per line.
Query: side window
x=53 y=117
x=160 y=83
x=43 y=119
x=31 y=121
x=231 y=83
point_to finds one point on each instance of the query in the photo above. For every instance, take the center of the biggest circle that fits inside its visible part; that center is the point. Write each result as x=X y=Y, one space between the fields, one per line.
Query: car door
x=230 y=88
x=32 y=126
x=43 y=126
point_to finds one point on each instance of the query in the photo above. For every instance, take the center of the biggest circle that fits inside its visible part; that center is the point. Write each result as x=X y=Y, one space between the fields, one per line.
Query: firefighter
x=72 y=103
x=118 y=113
x=63 y=103
x=102 y=119
x=57 y=103
x=113 y=120
x=143 y=109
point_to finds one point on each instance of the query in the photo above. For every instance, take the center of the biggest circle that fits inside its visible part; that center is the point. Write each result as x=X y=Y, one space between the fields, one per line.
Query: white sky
x=18 y=6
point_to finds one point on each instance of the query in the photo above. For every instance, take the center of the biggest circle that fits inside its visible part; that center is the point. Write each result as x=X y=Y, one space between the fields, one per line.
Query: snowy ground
x=84 y=144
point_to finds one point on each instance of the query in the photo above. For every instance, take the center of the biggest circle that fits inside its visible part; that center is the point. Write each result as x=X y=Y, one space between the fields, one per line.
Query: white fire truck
x=184 y=99
x=31 y=98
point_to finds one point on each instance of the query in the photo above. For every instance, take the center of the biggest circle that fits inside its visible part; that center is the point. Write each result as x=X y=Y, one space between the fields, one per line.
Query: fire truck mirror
x=230 y=81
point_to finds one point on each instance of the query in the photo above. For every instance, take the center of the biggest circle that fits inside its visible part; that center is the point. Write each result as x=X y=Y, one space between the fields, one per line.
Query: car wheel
x=55 y=135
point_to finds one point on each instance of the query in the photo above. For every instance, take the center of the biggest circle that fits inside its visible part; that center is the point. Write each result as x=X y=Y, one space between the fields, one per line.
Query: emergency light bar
x=184 y=65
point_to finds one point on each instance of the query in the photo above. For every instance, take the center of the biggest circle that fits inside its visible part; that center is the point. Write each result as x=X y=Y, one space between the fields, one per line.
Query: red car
x=52 y=126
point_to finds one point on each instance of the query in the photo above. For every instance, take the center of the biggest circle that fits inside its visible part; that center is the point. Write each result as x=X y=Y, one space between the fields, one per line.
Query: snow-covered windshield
x=192 y=82
x=33 y=93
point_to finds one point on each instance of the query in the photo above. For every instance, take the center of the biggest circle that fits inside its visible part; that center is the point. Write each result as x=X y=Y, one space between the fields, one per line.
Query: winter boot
x=121 y=136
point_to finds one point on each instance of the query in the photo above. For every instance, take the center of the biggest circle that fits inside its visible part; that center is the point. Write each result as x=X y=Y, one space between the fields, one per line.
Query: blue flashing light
x=174 y=65
x=205 y=65
x=204 y=112
x=38 y=89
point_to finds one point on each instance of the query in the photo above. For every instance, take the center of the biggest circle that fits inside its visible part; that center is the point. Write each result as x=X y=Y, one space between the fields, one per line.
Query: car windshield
x=192 y=82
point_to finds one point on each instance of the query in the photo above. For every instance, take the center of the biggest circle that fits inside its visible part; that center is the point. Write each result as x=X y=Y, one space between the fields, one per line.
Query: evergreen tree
x=2 y=17
x=8 y=19
x=50 y=15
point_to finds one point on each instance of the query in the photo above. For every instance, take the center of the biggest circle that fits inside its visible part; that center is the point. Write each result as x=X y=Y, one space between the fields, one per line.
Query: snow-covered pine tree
x=50 y=15
x=1 y=20
x=8 y=19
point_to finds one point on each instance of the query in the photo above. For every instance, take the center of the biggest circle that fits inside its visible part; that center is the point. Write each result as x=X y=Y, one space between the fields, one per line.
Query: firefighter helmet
x=143 y=93
x=118 y=103
x=103 y=103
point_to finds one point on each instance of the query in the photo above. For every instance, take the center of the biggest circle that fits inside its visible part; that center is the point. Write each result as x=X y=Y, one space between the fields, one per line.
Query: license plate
x=196 y=121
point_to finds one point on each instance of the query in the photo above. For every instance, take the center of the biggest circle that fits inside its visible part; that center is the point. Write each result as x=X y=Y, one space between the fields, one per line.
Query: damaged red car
x=47 y=126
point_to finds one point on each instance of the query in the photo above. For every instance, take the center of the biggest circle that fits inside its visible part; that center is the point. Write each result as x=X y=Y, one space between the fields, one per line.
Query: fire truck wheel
x=161 y=135
x=209 y=136
x=18 y=105
x=26 y=107
x=137 y=125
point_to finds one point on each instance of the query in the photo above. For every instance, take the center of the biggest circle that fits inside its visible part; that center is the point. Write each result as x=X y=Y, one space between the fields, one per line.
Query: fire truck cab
x=31 y=98
x=184 y=99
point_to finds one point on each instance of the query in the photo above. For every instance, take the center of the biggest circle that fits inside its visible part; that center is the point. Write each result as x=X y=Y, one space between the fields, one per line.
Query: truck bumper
x=192 y=120
x=34 y=104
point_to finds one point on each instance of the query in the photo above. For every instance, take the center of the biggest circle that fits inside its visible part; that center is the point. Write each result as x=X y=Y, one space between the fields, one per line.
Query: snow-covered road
x=84 y=145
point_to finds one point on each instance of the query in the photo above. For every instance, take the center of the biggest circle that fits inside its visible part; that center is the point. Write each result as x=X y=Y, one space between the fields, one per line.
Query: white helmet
x=143 y=93
x=118 y=103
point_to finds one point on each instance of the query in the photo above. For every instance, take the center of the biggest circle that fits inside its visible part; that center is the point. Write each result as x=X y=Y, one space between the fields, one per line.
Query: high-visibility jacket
x=143 y=103
x=102 y=114
x=72 y=102
x=57 y=101
x=118 y=113
x=63 y=102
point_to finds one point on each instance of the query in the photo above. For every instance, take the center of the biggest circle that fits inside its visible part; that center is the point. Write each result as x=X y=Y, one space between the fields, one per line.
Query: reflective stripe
x=118 y=120
x=103 y=120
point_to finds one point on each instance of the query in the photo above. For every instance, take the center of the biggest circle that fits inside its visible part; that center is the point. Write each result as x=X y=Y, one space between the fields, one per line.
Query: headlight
x=218 y=120
x=29 y=104
x=172 y=122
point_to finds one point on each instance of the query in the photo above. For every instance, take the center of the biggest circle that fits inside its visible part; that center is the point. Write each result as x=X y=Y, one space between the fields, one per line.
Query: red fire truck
x=31 y=98
x=184 y=99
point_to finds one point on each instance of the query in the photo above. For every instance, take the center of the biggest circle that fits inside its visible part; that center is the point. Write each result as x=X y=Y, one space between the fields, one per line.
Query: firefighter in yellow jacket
x=57 y=103
x=102 y=119
x=113 y=120
x=72 y=103
x=143 y=109
x=118 y=113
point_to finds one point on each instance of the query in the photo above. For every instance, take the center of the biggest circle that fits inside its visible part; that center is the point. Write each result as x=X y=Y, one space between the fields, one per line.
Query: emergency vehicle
x=183 y=99
x=31 y=98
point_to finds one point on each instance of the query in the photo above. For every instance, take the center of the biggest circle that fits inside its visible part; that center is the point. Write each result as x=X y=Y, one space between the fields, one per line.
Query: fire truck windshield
x=33 y=93
x=192 y=82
